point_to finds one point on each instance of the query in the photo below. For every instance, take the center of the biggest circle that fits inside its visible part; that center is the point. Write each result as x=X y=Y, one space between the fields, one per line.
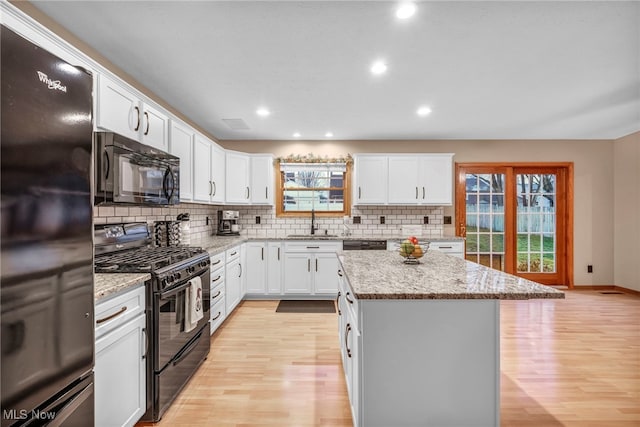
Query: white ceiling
x=488 y=70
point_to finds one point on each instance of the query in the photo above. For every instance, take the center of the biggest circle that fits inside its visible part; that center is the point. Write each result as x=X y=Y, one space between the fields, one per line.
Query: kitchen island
x=421 y=343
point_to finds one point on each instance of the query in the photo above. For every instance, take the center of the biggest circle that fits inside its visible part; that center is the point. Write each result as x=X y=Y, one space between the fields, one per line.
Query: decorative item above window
x=312 y=158
x=316 y=184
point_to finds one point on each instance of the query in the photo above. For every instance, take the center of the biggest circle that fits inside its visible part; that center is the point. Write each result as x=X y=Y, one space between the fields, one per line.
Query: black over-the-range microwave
x=127 y=171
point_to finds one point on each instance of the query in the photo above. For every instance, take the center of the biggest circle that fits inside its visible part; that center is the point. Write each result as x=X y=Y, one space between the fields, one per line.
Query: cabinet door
x=256 y=268
x=233 y=283
x=403 y=180
x=181 y=145
x=274 y=268
x=237 y=178
x=436 y=179
x=325 y=268
x=297 y=278
x=202 y=187
x=370 y=180
x=120 y=375
x=262 y=179
x=218 y=172
x=118 y=109
x=155 y=126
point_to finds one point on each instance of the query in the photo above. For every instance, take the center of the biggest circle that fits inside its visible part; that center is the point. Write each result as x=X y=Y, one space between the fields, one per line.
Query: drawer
x=218 y=314
x=217 y=279
x=217 y=261
x=217 y=293
x=453 y=246
x=233 y=253
x=119 y=309
x=313 y=246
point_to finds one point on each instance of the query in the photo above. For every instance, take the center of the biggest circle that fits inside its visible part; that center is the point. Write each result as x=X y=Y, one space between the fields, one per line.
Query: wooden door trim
x=504 y=167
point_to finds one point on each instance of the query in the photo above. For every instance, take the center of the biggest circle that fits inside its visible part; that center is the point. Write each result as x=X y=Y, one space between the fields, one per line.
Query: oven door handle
x=185 y=351
x=175 y=290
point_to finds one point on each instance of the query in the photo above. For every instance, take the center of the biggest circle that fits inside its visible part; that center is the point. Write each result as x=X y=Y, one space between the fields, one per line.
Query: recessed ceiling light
x=423 y=111
x=263 y=112
x=328 y=134
x=378 y=67
x=405 y=10
x=296 y=134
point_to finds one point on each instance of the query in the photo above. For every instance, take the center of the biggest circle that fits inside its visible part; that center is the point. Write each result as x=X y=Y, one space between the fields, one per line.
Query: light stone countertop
x=383 y=275
x=108 y=284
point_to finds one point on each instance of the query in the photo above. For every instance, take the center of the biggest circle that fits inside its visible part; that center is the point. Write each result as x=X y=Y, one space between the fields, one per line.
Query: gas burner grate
x=143 y=260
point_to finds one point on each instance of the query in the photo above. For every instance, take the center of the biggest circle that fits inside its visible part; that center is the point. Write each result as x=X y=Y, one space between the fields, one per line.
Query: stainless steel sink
x=311 y=236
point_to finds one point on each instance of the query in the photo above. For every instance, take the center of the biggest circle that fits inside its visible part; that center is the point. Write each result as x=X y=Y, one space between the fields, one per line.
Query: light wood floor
x=572 y=363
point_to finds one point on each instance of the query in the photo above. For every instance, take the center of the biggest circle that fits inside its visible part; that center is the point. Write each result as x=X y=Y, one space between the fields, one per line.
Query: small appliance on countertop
x=228 y=223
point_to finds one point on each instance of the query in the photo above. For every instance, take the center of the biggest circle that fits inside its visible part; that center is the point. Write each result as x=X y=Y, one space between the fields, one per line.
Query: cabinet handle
x=278 y=254
x=266 y=192
x=216 y=318
x=316 y=265
x=347 y=298
x=444 y=247
x=346 y=340
x=215 y=188
x=216 y=279
x=233 y=253
x=138 y=114
x=146 y=343
x=313 y=247
x=340 y=273
x=146 y=132
x=338 y=303
x=423 y=193
x=116 y=314
x=217 y=262
x=216 y=295
x=210 y=188
x=262 y=253
x=308 y=264
x=240 y=265
x=248 y=192
x=416 y=192
x=359 y=193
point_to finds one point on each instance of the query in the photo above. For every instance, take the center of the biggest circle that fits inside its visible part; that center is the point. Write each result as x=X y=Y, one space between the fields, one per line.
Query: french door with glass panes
x=516 y=218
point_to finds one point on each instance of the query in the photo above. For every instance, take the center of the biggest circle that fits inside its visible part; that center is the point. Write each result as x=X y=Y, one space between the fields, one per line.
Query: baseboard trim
x=606 y=288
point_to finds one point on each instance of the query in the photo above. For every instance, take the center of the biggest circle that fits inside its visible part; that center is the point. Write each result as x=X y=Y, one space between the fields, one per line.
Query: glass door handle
x=463 y=230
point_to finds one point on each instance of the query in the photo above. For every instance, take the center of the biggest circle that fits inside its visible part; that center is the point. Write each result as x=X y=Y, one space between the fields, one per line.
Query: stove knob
x=178 y=275
x=170 y=279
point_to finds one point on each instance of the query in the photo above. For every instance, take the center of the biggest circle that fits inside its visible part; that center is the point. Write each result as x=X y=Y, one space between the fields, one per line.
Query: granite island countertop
x=383 y=275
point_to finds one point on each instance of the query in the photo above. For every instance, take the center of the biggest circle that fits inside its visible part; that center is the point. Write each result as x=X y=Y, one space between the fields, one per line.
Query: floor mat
x=306 y=306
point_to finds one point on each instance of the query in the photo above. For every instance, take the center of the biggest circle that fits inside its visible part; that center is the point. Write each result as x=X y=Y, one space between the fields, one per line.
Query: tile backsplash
x=204 y=220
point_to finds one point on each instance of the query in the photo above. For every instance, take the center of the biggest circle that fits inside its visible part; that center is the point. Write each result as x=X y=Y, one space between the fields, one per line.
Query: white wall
x=626 y=216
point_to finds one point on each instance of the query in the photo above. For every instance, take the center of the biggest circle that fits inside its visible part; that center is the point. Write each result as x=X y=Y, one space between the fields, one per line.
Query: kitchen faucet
x=313 y=221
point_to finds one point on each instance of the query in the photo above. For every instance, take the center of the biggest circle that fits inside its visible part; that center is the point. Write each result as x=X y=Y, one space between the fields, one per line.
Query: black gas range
x=177 y=347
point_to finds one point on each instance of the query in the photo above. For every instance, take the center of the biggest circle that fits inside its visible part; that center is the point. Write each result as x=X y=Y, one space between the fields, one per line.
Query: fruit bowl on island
x=412 y=251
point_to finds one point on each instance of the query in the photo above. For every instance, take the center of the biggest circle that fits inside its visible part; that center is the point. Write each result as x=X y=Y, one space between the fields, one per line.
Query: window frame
x=279 y=195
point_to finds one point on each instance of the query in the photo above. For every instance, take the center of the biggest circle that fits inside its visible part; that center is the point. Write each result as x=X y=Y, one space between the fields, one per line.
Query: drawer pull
x=216 y=295
x=338 y=303
x=216 y=279
x=233 y=253
x=444 y=247
x=346 y=339
x=340 y=273
x=216 y=318
x=313 y=247
x=116 y=314
x=347 y=298
x=217 y=262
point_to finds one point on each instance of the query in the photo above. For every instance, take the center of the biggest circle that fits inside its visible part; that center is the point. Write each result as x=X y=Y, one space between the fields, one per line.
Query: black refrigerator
x=46 y=292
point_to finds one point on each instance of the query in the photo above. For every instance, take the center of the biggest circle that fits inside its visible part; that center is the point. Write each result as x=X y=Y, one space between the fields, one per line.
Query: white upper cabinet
x=421 y=179
x=202 y=188
x=237 y=178
x=121 y=111
x=370 y=179
x=218 y=172
x=181 y=145
x=262 y=179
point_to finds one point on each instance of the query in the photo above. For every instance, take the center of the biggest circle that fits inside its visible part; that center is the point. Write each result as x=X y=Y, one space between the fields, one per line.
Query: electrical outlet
x=426 y=220
x=356 y=219
x=589 y=268
x=258 y=219
x=382 y=220
x=447 y=219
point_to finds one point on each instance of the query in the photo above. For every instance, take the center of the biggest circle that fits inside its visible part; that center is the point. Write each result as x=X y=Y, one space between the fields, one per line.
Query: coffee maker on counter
x=228 y=223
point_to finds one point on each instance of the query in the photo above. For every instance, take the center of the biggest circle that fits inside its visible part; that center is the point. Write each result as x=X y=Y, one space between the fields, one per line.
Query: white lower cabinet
x=233 y=279
x=120 y=365
x=310 y=267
